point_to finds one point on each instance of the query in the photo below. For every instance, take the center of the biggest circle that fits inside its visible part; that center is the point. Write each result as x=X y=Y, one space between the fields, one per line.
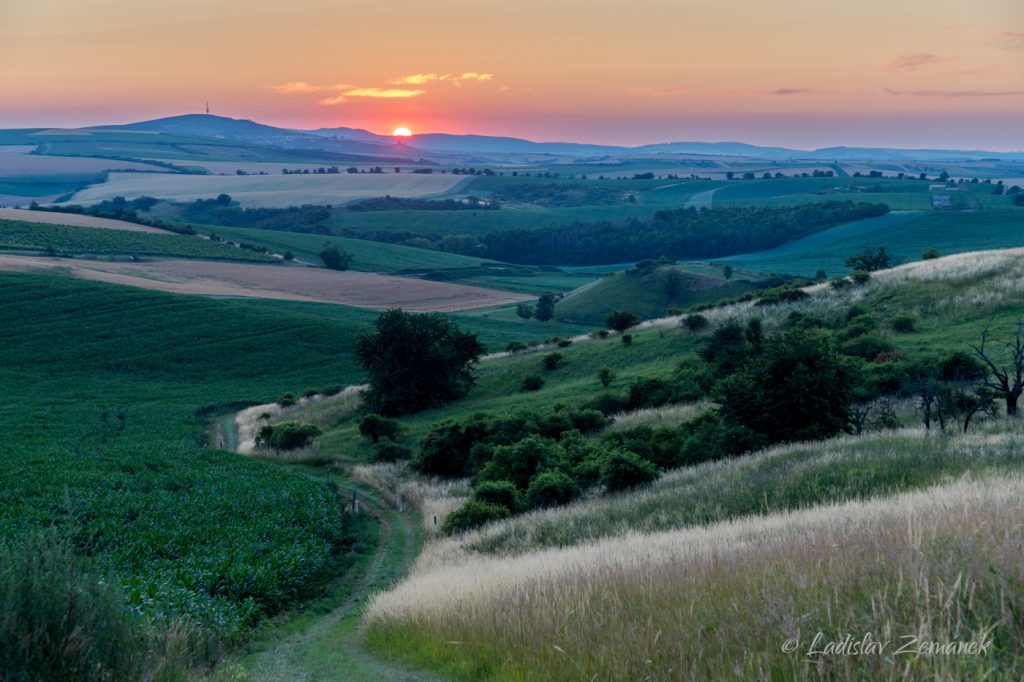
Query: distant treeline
x=119 y=208
x=220 y=211
x=390 y=203
x=562 y=195
x=681 y=233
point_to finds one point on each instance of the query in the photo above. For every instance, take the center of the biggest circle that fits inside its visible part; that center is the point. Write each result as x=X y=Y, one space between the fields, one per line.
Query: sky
x=798 y=73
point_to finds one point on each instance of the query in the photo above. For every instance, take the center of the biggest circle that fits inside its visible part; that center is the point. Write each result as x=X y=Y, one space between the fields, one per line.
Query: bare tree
x=1007 y=383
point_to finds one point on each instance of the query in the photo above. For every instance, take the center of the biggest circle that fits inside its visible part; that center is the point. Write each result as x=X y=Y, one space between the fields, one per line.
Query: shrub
x=608 y=403
x=61 y=621
x=695 y=322
x=375 y=427
x=839 y=282
x=287 y=400
x=472 y=515
x=331 y=390
x=621 y=320
x=552 y=361
x=389 y=451
x=551 y=489
x=499 y=493
x=589 y=421
x=605 y=376
x=288 y=255
x=515 y=347
x=624 y=470
x=930 y=254
x=627 y=339
x=287 y=436
x=860 y=277
x=334 y=258
x=520 y=461
x=903 y=324
x=532 y=383
x=564 y=343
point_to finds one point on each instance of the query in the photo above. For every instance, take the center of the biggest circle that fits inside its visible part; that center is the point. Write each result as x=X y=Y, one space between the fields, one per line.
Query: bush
x=532 y=383
x=552 y=361
x=930 y=254
x=589 y=421
x=471 y=515
x=287 y=436
x=331 y=390
x=860 y=277
x=551 y=489
x=624 y=470
x=390 y=451
x=903 y=324
x=335 y=258
x=695 y=322
x=515 y=347
x=61 y=621
x=627 y=339
x=520 y=461
x=375 y=427
x=500 y=493
x=839 y=282
x=287 y=400
x=621 y=320
x=605 y=376
x=564 y=343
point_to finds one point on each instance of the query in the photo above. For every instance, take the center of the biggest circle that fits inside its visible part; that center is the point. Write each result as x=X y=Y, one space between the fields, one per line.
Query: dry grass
x=664 y=416
x=75 y=220
x=320 y=410
x=718 y=602
x=434 y=498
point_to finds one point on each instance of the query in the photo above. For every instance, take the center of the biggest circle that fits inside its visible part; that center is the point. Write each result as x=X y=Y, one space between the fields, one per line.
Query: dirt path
x=324 y=643
x=702 y=199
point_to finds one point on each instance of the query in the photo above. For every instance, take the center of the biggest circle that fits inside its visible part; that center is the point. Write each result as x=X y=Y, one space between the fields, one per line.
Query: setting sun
x=402 y=132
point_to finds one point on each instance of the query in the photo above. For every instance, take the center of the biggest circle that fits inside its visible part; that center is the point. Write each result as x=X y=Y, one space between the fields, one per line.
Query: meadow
x=275 y=191
x=75 y=241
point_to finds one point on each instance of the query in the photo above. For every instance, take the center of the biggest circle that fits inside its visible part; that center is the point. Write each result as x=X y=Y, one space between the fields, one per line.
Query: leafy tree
x=551 y=489
x=605 y=376
x=287 y=436
x=552 y=361
x=545 y=309
x=524 y=311
x=798 y=388
x=930 y=254
x=335 y=258
x=502 y=493
x=727 y=271
x=695 y=322
x=415 y=361
x=621 y=320
x=870 y=261
x=389 y=451
x=672 y=281
x=288 y=255
x=532 y=383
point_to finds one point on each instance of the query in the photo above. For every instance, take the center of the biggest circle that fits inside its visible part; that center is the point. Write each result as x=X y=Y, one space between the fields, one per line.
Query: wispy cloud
x=300 y=86
x=416 y=79
x=456 y=78
x=1014 y=42
x=956 y=93
x=792 y=91
x=377 y=93
x=914 y=61
x=664 y=90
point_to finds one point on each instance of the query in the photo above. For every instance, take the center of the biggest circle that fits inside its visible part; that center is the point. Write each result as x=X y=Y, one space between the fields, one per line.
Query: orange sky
x=794 y=72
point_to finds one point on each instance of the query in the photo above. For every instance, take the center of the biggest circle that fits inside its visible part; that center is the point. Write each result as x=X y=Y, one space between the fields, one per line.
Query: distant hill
x=648 y=293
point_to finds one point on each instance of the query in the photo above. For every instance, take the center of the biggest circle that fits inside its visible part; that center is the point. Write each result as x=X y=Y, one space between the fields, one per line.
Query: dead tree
x=1007 y=383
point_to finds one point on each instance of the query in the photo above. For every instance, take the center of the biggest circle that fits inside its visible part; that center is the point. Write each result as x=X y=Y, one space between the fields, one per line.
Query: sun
x=402 y=132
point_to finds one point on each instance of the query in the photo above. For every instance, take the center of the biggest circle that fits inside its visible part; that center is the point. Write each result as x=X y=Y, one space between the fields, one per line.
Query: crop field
x=107 y=392
x=76 y=220
x=73 y=241
x=208 y=278
x=33 y=164
x=275 y=191
x=904 y=235
x=23 y=189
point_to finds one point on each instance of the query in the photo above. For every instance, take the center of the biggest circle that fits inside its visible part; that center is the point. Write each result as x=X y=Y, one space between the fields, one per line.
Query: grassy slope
x=103 y=407
x=646 y=295
x=16 y=235
x=904 y=235
x=952 y=299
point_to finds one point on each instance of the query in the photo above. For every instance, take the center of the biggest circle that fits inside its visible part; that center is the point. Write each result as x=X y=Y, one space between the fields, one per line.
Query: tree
x=524 y=311
x=727 y=271
x=545 y=309
x=870 y=260
x=335 y=258
x=621 y=320
x=605 y=376
x=1007 y=383
x=415 y=361
x=376 y=427
x=930 y=254
x=672 y=281
x=798 y=388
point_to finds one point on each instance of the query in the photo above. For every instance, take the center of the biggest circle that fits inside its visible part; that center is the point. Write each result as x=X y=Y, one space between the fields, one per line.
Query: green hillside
x=651 y=293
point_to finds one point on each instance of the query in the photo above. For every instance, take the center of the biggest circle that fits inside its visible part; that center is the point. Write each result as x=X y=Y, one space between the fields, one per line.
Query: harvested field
x=206 y=278
x=75 y=220
x=272 y=190
x=30 y=164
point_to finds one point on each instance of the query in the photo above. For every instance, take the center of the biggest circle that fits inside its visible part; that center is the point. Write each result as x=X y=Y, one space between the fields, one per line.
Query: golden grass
x=718 y=602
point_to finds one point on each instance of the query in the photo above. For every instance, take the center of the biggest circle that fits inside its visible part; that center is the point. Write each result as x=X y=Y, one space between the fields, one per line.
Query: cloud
x=416 y=79
x=378 y=93
x=664 y=90
x=297 y=86
x=1014 y=42
x=913 y=61
x=956 y=93
x=474 y=76
x=791 y=91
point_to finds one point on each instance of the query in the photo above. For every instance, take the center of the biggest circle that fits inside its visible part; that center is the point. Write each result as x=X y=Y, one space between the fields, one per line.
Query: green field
x=30 y=186
x=17 y=235
x=107 y=393
x=905 y=235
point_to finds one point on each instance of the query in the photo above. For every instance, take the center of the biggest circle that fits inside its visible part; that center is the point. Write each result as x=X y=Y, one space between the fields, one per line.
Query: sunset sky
x=801 y=73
